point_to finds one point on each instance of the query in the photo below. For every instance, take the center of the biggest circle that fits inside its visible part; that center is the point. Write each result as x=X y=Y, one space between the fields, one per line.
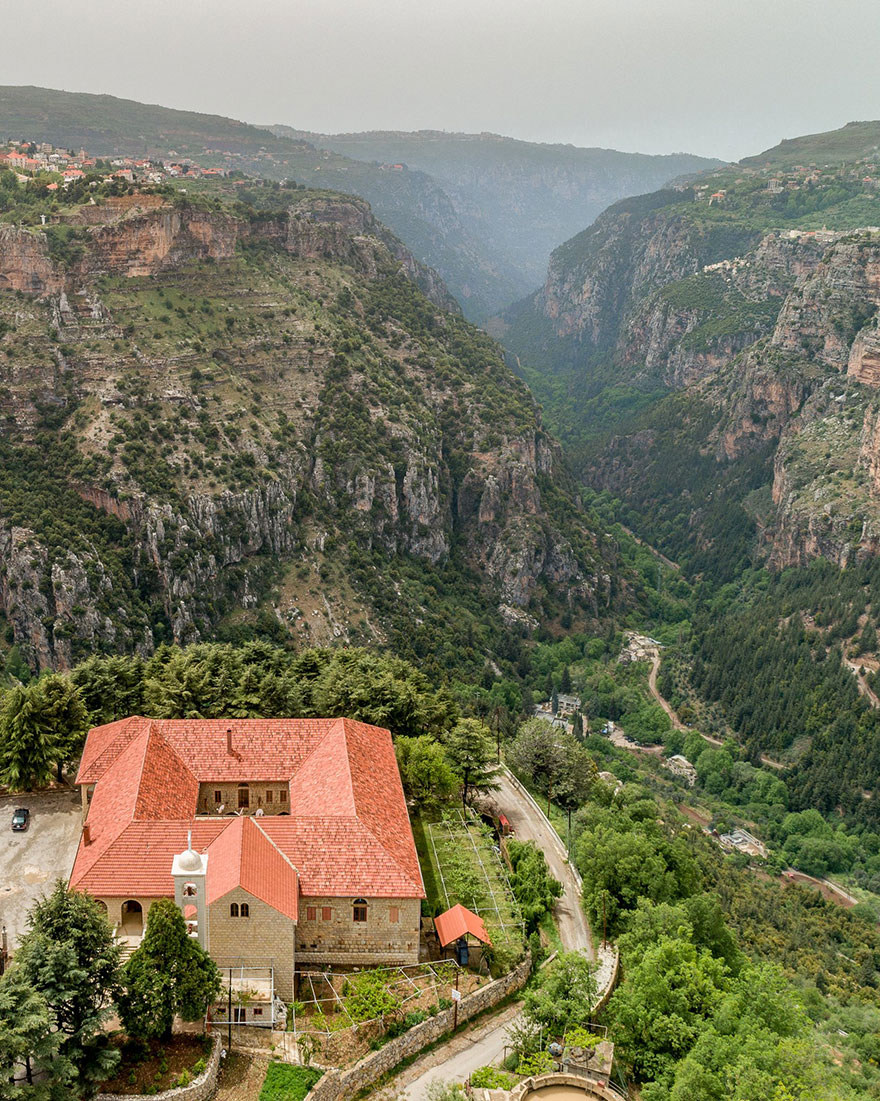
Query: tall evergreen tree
x=30 y=1066
x=472 y=754
x=69 y=957
x=169 y=974
x=42 y=727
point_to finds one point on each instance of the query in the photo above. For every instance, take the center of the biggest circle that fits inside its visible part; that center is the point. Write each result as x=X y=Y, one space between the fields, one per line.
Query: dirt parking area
x=30 y=862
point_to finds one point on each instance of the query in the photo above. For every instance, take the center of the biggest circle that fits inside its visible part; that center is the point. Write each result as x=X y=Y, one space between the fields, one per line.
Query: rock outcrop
x=247 y=398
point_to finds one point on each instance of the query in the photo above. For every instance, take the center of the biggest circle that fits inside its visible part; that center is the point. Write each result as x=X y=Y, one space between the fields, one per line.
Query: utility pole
x=229 y=1012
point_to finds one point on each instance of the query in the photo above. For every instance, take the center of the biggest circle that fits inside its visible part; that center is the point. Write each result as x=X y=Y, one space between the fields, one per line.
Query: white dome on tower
x=189 y=861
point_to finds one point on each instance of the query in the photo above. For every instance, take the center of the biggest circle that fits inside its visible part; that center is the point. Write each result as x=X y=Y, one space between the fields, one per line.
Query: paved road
x=485 y=1045
x=530 y=824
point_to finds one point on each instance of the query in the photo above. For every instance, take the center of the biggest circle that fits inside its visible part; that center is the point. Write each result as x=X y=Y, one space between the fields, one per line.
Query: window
x=311 y=913
x=282 y=795
x=244 y=796
x=326 y=913
x=394 y=914
x=258 y=1012
x=233 y=910
x=359 y=910
x=245 y=910
x=218 y=796
x=268 y=796
x=189 y=890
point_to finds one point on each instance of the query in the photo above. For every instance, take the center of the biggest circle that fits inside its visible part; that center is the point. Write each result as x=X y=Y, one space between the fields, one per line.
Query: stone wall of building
x=341 y=1085
x=266 y=937
x=198 y=1090
x=272 y=796
x=328 y=933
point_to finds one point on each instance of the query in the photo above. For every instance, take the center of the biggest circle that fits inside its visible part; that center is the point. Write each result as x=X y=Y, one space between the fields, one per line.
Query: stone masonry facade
x=270 y=796
x=327 y=932
x=265 y=937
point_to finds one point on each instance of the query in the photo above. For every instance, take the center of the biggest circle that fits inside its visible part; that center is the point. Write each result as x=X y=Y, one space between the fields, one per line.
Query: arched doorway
x=132 y=918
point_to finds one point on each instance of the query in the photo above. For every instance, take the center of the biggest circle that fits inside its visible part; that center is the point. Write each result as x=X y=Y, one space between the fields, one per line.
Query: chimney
x=229 y=740
x=87 y=834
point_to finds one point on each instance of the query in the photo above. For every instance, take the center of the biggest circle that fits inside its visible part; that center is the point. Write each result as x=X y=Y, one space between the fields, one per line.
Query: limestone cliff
x=265 y=408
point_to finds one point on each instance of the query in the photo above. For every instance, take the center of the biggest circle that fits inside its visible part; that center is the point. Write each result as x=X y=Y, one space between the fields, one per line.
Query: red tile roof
x=458 y=922
x=244 y=856
x=348 y=832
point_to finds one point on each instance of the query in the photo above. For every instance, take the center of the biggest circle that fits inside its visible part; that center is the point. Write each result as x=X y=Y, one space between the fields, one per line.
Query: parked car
x=21 y=818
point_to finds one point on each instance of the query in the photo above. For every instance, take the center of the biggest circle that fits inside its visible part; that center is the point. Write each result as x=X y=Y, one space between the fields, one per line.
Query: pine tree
x=471 y=752
x=169 y=974
x=42 y=727
x=30 y=1066
x=565 y=682
x=70 y=958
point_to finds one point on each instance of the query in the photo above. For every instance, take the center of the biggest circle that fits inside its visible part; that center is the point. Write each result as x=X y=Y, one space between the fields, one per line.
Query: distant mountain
x=524 y=196
x=852 y=142
x=412 y=203
x=104 y=125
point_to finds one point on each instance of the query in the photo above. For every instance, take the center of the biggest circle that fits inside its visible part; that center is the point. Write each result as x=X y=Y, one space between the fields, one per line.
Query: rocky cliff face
x=594 y=279
x=248 y=400
x=764 y=338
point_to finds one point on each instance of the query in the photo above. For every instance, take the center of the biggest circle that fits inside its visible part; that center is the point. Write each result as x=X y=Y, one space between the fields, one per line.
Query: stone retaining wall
x=608 y=990
x=199 y=1089
x=339 y=1085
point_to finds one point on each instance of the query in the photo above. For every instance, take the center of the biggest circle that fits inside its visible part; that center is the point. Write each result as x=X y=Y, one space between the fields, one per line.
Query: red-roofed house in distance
x=286 y=842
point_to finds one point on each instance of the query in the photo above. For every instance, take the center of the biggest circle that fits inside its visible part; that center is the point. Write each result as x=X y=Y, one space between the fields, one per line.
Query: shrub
x=284 y=1082
x=491 y=1078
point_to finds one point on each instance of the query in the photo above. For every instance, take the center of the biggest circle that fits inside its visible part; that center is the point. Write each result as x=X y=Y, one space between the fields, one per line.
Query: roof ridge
x=123 y=729
x=331 y=728
x=335 y=726
x=274 y=846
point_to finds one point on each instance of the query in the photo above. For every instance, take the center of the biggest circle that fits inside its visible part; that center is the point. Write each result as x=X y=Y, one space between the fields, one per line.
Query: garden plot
x=467 y=868
x=340 y=1016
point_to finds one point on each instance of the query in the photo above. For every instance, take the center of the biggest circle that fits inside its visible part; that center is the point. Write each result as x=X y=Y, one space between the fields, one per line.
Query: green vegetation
x=43 y=725
x=168 y=975
x=284 y=1082
x=698 y=1003
x=69 y=958
x=462 y=866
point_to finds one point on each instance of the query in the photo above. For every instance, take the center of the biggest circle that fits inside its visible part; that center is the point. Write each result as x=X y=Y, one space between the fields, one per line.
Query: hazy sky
x=722 y=77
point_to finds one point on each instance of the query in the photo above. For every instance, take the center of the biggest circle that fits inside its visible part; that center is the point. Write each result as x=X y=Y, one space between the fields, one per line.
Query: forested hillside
x=471 y=234
x=256 y=414
x=708 y=354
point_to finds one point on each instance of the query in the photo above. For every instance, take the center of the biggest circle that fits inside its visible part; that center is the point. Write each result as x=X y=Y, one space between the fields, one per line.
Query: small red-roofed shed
x=459 y=922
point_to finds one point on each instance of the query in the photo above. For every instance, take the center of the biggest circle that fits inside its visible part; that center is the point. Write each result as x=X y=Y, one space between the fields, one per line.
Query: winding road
x=678 y=725
x=461 y=1055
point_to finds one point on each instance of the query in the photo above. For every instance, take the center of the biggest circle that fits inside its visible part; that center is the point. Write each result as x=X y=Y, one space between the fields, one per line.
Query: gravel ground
x=30 y=862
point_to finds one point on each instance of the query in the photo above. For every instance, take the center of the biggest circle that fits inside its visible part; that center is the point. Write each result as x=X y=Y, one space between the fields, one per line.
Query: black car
x=21 y=818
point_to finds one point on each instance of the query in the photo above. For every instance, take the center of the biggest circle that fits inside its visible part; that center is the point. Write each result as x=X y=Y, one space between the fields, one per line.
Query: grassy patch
x=288 y=1083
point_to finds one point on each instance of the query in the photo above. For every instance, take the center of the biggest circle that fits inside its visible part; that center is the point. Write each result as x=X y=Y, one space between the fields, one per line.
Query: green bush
x=491 y=1078
x=284 y=1082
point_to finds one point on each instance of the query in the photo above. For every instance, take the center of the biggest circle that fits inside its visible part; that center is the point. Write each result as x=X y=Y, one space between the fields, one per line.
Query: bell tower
x=189 y=870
